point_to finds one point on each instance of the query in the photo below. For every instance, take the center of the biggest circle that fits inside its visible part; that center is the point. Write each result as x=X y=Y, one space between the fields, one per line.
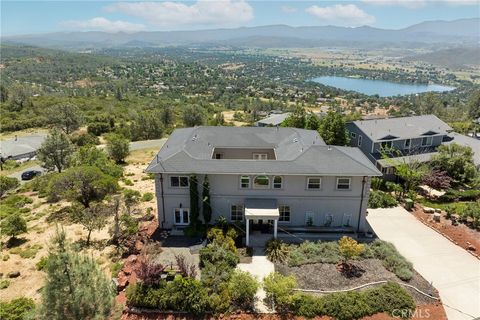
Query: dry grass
x=143 y=156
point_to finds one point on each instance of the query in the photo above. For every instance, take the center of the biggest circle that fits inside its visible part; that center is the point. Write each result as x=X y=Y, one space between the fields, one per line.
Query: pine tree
x=206 y=207
x=75 y=286
x=194 y=208
x=55 y=151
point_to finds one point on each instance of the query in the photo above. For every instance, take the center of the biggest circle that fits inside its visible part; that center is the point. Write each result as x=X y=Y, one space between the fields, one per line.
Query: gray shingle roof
x=274 y=120
x=297 y=151
x=403 y=127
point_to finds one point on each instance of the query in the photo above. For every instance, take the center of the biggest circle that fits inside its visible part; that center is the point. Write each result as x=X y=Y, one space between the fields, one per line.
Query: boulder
x=438 y=210
x=436 y=217
x=428 y=210
x=14 y=274
x=470 y=247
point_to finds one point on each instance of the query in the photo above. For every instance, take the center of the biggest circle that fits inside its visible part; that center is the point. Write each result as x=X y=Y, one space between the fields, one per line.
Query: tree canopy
x=55 y=151
x=457 y=161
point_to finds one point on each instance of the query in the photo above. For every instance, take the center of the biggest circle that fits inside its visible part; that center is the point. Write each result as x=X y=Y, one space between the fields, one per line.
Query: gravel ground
x=324 y=276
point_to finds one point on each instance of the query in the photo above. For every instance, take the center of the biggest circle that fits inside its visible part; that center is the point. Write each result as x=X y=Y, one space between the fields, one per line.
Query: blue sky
x=26 y=17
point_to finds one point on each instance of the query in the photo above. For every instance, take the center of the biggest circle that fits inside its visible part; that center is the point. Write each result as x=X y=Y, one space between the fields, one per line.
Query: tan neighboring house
x=266 y=178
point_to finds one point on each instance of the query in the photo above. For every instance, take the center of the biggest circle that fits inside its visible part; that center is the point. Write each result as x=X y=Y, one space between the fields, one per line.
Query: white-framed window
x=261 y=182
x=353 y=135
x=386 y=144
x=244 y=182
x=359 y=140
x=182 y=216
x=408 y=143
x=236 y=212
x=284 y=212
x=314 y=183
x=277 y=182
x=260 y=156
x=343 y=183
x=179 y=182
x=427 y=141
x=388 y=170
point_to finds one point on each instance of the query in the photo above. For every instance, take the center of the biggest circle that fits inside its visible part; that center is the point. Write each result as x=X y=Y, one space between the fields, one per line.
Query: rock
x=470 y=247
x=14 y=274
x=122 y=281
x=428 y=210
x=438 y=210
x=436 y=217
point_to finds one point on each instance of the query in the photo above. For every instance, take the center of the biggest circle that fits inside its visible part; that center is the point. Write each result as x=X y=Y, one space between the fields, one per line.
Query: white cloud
x=202 y=12
x=345 y=15
x=414 y=4
x=103 y=24
x=288 y=9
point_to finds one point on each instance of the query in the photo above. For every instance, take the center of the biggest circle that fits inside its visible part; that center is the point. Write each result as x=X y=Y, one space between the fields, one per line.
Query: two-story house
x=280 y=176
x=414 y=139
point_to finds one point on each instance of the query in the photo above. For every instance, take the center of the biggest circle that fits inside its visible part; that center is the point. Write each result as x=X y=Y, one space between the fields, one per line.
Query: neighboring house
x=272 y=120
x=416 y=138
x=466 y=141
x=282 y=177
x=21 y=147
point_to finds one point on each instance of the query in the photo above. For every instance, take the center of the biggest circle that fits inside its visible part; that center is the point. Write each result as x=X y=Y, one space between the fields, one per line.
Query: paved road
x=136 y=145
x=452 y=270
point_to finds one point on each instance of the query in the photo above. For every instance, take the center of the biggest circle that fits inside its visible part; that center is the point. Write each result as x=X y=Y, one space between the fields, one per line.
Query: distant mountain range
x=464 y=32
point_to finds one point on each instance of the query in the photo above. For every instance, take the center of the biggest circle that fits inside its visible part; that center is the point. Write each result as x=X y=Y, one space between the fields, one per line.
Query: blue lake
x=380 y=87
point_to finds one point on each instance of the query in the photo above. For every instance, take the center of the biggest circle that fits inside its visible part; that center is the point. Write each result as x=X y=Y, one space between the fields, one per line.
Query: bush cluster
x=457 y=195
x=380 y=199
x=16 y=309
x=392 y=260
x=342 y=306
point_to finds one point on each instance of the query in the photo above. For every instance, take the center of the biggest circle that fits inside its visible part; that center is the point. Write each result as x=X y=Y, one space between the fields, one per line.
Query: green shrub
x=391 y=259
x=17 y=309
x=346 y=306
x=314 y=252
x=243 y=287
x=380 y=199
x=377 y=183
x=279 y=290
x=457 y=195
x=147 y=196
x=388 y=298
x=215 y=253
x=115 y=268
x=127 y=182
x=17 y=200
x=7 y=184
x=143 y=296
x=4 y=283
x=28 y=252
x=187 y=294
x=307 y=305
x=42 y=263
x=276 y=250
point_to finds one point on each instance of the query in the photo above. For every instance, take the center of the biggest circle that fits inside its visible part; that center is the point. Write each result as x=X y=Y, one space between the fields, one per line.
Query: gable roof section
x=403 y=127
x=298 y=151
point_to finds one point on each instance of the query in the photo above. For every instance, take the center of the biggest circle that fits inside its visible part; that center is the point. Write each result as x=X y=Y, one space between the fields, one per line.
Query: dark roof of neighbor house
x=297 y=151
x=402 y=127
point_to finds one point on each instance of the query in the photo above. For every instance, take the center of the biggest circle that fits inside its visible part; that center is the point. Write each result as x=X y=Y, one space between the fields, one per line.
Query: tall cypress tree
x=206 y=208
x=75 y=286
x=194 y=207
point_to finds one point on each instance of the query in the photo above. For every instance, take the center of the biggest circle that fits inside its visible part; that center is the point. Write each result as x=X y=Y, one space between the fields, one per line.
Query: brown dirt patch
x=460 y=234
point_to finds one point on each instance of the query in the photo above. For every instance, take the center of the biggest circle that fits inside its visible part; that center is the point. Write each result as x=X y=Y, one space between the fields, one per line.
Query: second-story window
x=353 y=135
x=244 y=182
x=260 y=156
x=277 y=182
x=261 y=182
x=314 y=183
x=179 y=181
x=343 y=183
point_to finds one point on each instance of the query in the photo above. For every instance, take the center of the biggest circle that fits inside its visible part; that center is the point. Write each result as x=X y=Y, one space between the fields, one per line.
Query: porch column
x=247 y=238
x=275 y=222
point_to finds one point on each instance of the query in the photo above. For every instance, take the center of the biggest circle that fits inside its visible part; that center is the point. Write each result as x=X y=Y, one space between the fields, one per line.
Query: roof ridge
x=352 y=148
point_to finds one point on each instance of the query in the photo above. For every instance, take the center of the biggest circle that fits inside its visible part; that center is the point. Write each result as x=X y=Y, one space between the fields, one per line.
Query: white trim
x=181 y=211
x=289 y=213
x=249 y=181
x=359 y=142
x=241 y=214
x=273 y=182
x=428 y=144
x=179 y=182
x=353 y=135
x=308 y=183
x=405 y=144
x=261 y=187
x=349 y=184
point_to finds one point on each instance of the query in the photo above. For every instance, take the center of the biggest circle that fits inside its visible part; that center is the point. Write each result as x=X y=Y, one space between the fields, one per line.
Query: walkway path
x=453 y=271
x=260 y=267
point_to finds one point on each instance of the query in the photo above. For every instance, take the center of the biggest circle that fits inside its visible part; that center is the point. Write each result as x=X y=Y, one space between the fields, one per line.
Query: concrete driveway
x=452 y=270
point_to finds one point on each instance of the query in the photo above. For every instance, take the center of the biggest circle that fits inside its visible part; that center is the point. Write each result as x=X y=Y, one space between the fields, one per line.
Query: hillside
x=452 y=58
x=427 y=33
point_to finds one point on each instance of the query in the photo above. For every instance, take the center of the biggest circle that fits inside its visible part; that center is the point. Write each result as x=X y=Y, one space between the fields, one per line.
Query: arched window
x=261 y=182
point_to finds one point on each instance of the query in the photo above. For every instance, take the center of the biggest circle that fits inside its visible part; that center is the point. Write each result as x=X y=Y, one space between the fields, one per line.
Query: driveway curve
x=453 y=271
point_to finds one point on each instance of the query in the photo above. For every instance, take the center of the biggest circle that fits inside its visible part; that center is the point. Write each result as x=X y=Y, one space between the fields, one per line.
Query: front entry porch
x=262 y=211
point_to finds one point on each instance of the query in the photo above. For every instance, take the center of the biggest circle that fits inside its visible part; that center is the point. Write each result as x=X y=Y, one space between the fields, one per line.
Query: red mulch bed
x=461 y=235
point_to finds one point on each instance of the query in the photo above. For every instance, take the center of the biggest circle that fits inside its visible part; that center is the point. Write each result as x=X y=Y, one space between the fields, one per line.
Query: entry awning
x=261 y=209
